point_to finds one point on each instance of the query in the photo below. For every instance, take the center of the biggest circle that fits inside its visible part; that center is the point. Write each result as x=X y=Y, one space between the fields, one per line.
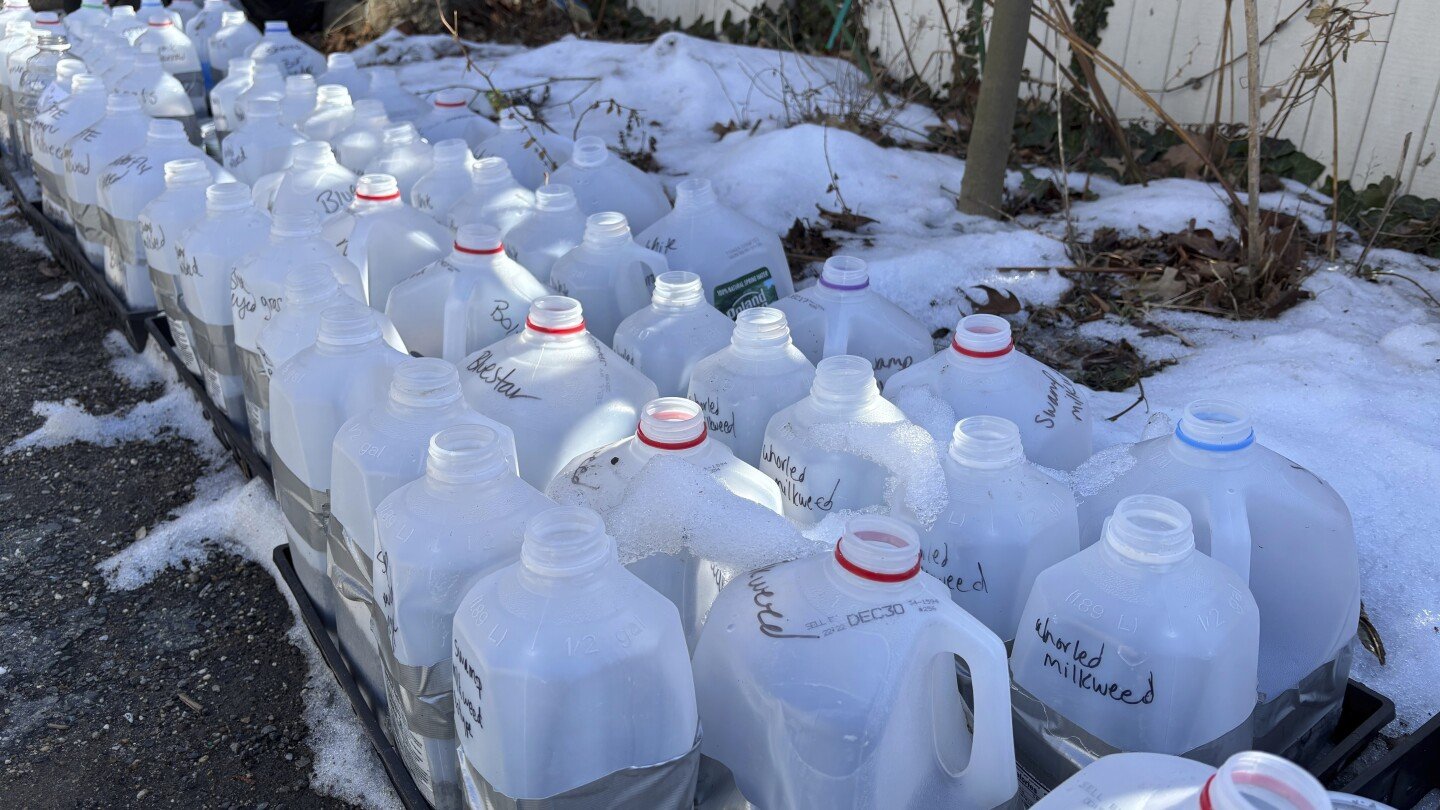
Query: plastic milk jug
x=163 y=223
x=262 y=145
x=551 y=229
x=316 y=182
x=667 y=339
x=340 y=68
x=121 y=129
x=388 y=240
x=531 y=150
x=361 y=141
x=280 y=46
x=161 y=94
x=333 y=114
x=447 y=181
x=403 y=155
x=233 y=41
x=494 y=198
x=178 y=55
x=606 y=182
x=450 y=116
x=607 y=272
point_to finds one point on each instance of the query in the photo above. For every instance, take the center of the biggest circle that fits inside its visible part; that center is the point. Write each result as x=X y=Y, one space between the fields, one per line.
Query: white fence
x=1387 y=88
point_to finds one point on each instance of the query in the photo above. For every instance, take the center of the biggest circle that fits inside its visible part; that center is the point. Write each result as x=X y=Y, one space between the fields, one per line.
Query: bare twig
x=1255 y=235
x=1389 y=202
x=1418 y=285
x=1138 y=400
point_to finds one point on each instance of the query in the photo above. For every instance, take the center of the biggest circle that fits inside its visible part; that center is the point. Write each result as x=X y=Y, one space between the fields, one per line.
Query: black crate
x=1407 y=774
x=1362 y=714
x=409 y=795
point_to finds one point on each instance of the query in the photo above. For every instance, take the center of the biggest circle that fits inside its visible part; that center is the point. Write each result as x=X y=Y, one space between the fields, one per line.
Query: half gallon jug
x=829 y=682
x=435 y=537
x=299 y=99
x=606 y=182
x=388 y=240
x=400 y=104
x=741 y=264
x=1137 y=643
x=494 y=198
x=439 y=189
x=316 y=182
x=361 y=141
x=161 y=94
x=982 y=374
x=1287 y=533
x=607 y=272
x=225 y=95
x=37 y=75
x=345 y=373
x=668 y=338
x=466 y=301
x=744 y=384
x=177 y=53
x=842 y=315
x=1004 y=523
x=531 y=150
x=376 y=452
x=550 y=638
x=551 y=229
x=163 y=223
x=15 y=62
x=262 y=145
x=340 y=68
x=266 y=81
x=280 y=46
x=333 y=114
x=403 y=155
x=82 y=23
x=121 y=129
x=450 y=116
x=51 y=134
x=233 y=41
x=200 y=29
x=558 y=388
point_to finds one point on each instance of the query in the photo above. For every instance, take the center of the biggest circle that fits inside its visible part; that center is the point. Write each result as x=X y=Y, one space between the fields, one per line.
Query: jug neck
x=606 y=232
x=876 y=552
x=1214 y=434
x=1253 y=779
x=845 y=276
x=490 y=172
x=986 y=445
x=309 y=285
x=555 y=319
x=348 y=328
x=465 y=457
x=844 y=384
x=565 y=544
x=376 y=192
x=424 y=388
x=677 y=291
x=1150 y=532
x=670 y=425
x=982 y=341
x=761 y=333
x=694 y=194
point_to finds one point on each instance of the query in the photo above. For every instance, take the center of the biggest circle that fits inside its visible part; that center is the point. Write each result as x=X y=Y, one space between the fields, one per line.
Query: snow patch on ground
x=60 y=292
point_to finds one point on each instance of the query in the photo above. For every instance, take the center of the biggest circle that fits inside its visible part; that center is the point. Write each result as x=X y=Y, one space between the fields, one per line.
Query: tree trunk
x=983 y=187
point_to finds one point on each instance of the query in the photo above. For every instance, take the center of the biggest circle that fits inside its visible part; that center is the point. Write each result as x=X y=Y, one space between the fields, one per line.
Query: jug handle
x=1230 y=540
x=992 y=746
x=454 y=325
x=654 y=264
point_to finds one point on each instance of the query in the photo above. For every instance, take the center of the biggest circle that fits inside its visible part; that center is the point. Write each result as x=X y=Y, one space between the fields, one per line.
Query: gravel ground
x=182 y=692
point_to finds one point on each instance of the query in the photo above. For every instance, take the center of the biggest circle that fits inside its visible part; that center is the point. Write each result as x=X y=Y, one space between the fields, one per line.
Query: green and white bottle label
x=754 y=289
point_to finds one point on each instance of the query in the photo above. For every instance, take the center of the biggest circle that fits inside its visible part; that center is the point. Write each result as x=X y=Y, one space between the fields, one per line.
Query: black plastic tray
x=409 y=795
x=1407 y=774
x=1362 y=715
x=239 y=445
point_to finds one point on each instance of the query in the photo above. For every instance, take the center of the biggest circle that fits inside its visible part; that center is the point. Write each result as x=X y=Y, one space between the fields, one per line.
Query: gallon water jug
x=120 y=130
x=667 y=339
x=360 y=142
x=1005 y=521
x=19 y=33
x=550 y=638
x=561 y=390
x=231 y=229
x=495 y=198
x=118 y=62
x=257 y=295
x=823 y=451
x=1246 y=781
x=450 y=116
x=466 y=301
x=376 y=452
x=400 y=104
x=125 y=22
x=200 y=29
x=345 y=373
x=161 y=95
x=1137 y=643
x=600 y=479
x=403 y=155
x=57 y=91
x=340 y=68
x=551 y=229
x=607 y=272
x=842 y=315
x=127 y=184
x=333 y=114
x=741 y=264
x=266 y=81
x=37 y=75
x=59 y=88
x=982 y=374
x=262 y=145
x=437 y=191
x=299 y=100
x=178 y=55
x=317 y=183
x=163 y=223
x=435 y=537
x=226 y=94
x=1285 y=532
x=388 y=240
x=278 y=45
x=82 y=23
x=51 y=133
x=606 y=182
x=829 y=682
x=531 y=150
x=744 y=384
x=233 y=41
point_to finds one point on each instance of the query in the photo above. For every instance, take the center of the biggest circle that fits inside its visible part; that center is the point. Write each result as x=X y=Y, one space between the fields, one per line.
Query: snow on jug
x=495 y=198
x=262 y=145
x=667 y=339
x=842 y=315
x=388 y=240
x=163 y=222
x=551 y=229
x=1137 y=643
x=607 y=272
x=343 y=374
x=315 y=182
x=1286 y=532
x=121 y=129
x=376 y=452
x=741 y=264
x=606 y=182
x=829 y=682
x=982 y=374
x=280 y=46
x=531 y=150
x=450 y=116
x=439 y=189
x=403 y=155
x=435 y=537
x=1005 y=521
x=558 y=388
x=744 y=384
x=333 y=114
x=466 y=301
x=546 y=640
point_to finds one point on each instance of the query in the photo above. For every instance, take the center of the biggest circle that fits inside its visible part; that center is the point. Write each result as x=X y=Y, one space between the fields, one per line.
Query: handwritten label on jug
x=716 y=420
x=937 y=563
x=767 y=616
x=1061 y=397
x=500 y=314
x=1078 y=664
x=791 y=480
x=467 y=711
x=497 y=376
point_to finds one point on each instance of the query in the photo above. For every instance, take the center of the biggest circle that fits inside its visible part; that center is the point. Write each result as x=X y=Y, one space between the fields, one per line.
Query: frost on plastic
x=908 y=453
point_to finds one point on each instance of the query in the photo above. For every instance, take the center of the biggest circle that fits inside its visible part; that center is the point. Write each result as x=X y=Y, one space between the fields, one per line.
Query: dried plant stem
x=1255 y=235
x=1389 y=203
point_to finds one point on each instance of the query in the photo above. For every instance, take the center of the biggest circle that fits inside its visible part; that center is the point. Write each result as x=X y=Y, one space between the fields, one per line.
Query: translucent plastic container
x=607 y=272
x=558 y=388
x=51 y=135
x=37 y=75
x=830 y=682
x=200 y=28
x=1004 y=523
x=746 y=383
x=340 y=68
x=120 y=130
x=435 y=537
x=550 y=638
x=266 y=81
x=495 y=198
x=982 y=374
x=299 y=99
x=450 y=116
x=262 y=145
x=448 y=180
x=605 y=182
x=317 y=183
x=466 y=301
x=186 y=9
x=1285 y=532
x=360 y=142
x=532 y=151
x=667 y=339
x=810 y=453
x=333 y=114
x=163 y=224
x=232 y=228
x=178 y=55
x=550 y=230
x=388 y=240
x=400 y=104
x=233 y=41
x=16 y=11
x=161 y=94
x=124 y=22
x=281 y=47
x=1137 y=643
x=345 y=373
x=225 y=95
x=403 y=155
x=842 y=315
x=376 y=452
x=19 y=55
x=741 y=264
